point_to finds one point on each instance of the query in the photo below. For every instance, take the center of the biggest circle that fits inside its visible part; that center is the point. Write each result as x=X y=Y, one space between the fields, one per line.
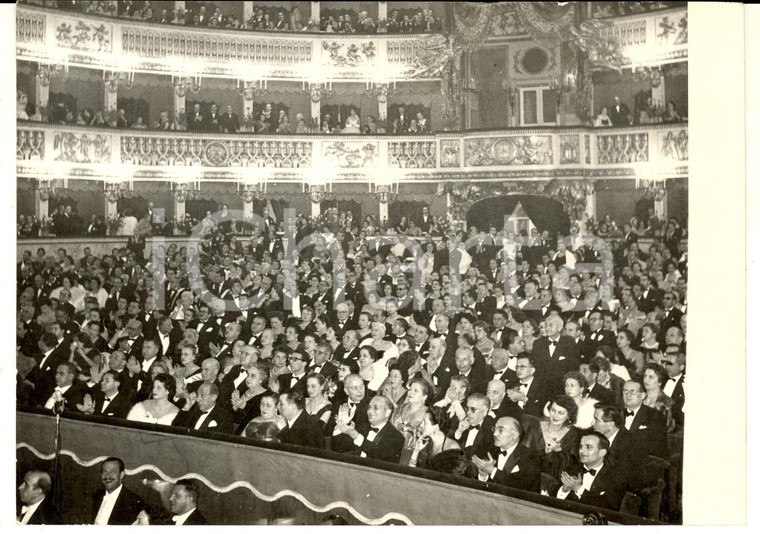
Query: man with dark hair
x=109 y=401
x=183 y=503
x=473 y=433
x=114 y=504
x=68 y=391
x=643 y=421
x=302 y=428
x=508 y=462
x=528 y=392
x=35 y=508
x=590 y=371
x=599 y=483
x=675 y=365
x=295 y=380
x=380 y=440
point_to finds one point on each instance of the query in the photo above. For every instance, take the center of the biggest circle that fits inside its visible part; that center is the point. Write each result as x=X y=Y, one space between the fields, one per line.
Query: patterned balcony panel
x=411 y=154
x=30 y=144
x=164 y=151
x=508 y=151
x=622 y=148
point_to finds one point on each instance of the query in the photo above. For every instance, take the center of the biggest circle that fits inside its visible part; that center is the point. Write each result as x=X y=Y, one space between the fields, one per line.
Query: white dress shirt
x=588 y=479
x=501 y=461
x=106 y=507
x=28 y=511
x=371 y=435
x=180 y=519
x=670 y=385
x=52 y=400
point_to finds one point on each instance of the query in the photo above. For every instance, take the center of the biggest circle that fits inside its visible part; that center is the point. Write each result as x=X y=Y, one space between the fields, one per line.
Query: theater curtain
x=133 y=108
x=546 y=213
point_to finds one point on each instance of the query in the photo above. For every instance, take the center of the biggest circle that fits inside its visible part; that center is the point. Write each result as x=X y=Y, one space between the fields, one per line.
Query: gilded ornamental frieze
x=508 y=151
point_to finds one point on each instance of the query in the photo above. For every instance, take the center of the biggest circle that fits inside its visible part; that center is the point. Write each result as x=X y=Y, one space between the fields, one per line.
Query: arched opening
x=544 y=213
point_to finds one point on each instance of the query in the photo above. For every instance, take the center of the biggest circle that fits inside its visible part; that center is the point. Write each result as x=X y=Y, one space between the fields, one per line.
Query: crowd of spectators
x=262 y=19
x=561 y=371
x=649 y=112
x=213 y=119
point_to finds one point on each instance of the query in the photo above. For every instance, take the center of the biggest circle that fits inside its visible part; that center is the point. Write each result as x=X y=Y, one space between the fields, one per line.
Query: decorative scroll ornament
x=52 y=188
x=115 y=190
x=318 y=193
x=249 y=89
x=250 y=192
x=183 y=192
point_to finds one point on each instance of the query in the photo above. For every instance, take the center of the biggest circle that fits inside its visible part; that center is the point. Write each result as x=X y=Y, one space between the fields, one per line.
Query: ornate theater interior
x=173 y=142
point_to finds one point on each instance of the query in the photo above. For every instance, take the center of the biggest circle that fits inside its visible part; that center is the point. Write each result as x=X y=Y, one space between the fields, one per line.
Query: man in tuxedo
x=441 y=366
x=650 y=296
x=426 y=221
x=528 y=393
x=590 y=371
x=68 y=391
x=501 y=360
x=643 y=421
x=496 y=393
x=478 y=375
x=473 y=433
x=295 y=380
x=213 y=119
x=356 y=410
x=229 y=121
x=402 y=121
x=36 y=508
x=675 y=365
x=321 y=364
x=208 y=328
x=619 y=113
x=205 y=414
x=114 y=504
x=109 y=401
x=501 y=331
x=597 y=335
x=380 y=440
x=183 y=502
x=302 y=429
x=672 y=315
x=599 y=483
x=43 y=373
x=556 y=354
x=507 y=462
x=196 y=121
x=420 y=334
x=349 y=349
x=167 y=338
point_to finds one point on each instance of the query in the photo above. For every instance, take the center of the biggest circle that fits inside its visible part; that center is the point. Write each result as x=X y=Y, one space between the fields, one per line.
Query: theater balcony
x=245 y=481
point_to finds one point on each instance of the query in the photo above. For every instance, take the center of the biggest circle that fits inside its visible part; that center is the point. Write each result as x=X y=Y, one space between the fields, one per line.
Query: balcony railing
x=52 y=36
x=651 y=151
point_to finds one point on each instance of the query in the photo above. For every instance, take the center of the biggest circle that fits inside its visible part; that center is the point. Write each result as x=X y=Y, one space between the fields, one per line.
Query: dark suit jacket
x=650 y=425
x=552 y=369
x=619 y=117
x=483 y=440
x=628 y=453
x=386 y=446
x=45 y=514
x=479 y=377
x=341 y=442
x=283 y=381
x=196 y=518
x=218 y=419
x=606 y=491
x=73 y=396
x=522 y=470
x=124 y=512
x=601 y=394
x=539 y=394
x=118 y=407
x=306 y=431
x=329 y=370
x=678 y=400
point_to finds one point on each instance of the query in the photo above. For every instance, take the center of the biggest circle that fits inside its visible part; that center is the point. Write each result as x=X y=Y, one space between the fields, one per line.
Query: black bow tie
x=374 y=429
x=106 y=400
x=204 y=413
x=352 y=404
x=629 y=413
x=474 y=427
x=553 y=343
x=669 y=379
x=591 y=471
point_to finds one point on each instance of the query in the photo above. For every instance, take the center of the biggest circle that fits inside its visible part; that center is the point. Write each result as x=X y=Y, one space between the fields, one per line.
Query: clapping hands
x=87 y=406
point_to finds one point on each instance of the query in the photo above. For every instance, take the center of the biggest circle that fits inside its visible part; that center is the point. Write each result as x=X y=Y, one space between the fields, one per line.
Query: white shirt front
x=106 y=507
x=588 y=480
x=371 y=435
x=27 y=515
x=629 y=418
x=52 y=400
x=670 y=385
x=201 y=419
x=180 y=519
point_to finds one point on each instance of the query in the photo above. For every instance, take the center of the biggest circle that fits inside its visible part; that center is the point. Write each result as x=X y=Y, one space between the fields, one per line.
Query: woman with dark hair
x=407 y=417
x=307 y=321
x=365 y=326
x=317 y=404
x=575 y=388
x=431 y=439
x=159 y=409
x=371 y=370
x=395 y=385
x=649 y=345
x=335 y=390
x=611 y=356
x=247 y=406
x=154 y=515
x=655 y=377
x=268 y=410
x=293 y=336
x=555 y=435
x=530 y=332
x=632 y=359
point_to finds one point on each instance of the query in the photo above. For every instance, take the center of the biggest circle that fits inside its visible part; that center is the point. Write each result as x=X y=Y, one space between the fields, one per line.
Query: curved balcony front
x=654 y=151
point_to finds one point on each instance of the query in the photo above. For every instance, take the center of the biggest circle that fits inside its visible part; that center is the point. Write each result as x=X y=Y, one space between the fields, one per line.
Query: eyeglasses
x=472 y=409
x=294 y=359
x=630 y=392
x=666 y=362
